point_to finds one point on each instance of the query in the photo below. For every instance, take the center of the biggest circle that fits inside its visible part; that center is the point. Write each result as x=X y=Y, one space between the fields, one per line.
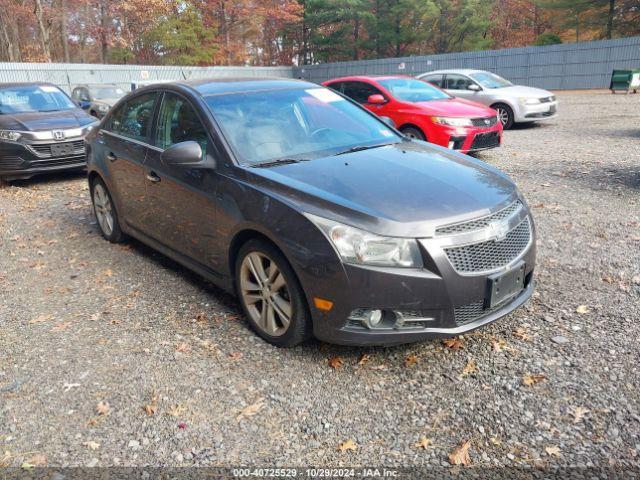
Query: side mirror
x=184 y=154
x=474 y=87
x=376 y=99
x=83 y=104
x=389 y=121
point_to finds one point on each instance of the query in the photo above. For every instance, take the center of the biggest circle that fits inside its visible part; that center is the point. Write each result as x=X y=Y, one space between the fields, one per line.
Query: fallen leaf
x=410 y=361
x=103 y=408
x=182 y=426
x=469 y=368
x=335 y=362
x=555 y=451
x=251 y=409
x=453 y=343
x=607 y=279
x=36 y=460
x=498 y=345
x=582 y=309
x=578 y=413
x=348 y=445
x=60 y=326
x=91 y=445
x=423 y=443
x=636 y=280
x=176 y=410
x=460 y=456
x=531 y=380
x=108 y=273
x=522 y=334
x=152 y=407
x=364 y=358
x=183 y=347
x=235 y=355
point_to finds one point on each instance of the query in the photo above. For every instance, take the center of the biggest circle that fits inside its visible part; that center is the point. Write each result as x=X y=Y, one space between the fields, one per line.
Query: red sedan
x=423 y=111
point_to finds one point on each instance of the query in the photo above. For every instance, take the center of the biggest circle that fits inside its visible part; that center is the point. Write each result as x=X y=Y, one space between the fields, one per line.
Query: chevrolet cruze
x=323 y=220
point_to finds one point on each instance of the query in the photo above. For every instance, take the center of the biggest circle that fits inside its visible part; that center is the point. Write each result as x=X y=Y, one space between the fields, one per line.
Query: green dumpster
x=625 y=80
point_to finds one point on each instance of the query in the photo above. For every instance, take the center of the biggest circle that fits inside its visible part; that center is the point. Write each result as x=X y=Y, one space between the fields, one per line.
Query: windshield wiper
x=360 y=148
x=279 y=161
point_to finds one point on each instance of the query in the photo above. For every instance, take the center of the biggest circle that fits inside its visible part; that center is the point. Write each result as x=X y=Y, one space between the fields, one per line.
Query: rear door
x=181 y=200
x=125 y=143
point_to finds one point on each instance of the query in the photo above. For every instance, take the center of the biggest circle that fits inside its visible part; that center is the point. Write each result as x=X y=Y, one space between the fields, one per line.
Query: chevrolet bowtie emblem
x=499 y=230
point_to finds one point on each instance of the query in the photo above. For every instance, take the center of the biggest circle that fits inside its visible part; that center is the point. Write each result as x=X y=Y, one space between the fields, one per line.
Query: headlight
x=364 y=248
x=9 y=135
x=103 y=108
x=453 y=121
x=530 y=101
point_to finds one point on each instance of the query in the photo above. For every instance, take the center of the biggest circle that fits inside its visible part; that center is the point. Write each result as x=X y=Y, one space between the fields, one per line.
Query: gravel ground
x=114 y=355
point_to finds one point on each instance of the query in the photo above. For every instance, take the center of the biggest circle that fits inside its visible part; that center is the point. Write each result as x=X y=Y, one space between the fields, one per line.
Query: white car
x=514 y=103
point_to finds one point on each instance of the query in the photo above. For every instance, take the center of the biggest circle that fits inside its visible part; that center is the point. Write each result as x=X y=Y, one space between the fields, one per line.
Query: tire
x=268 y=317
x=505 y=115
x=413 y=133
x=103 y=209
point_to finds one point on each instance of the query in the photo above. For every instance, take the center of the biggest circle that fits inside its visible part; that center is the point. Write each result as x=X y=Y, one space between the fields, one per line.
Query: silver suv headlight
x=9 y=135
x=364 y=248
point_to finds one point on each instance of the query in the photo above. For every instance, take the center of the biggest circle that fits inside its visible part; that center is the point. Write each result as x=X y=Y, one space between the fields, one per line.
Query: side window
x=133 y=119
x=178 y=122
x=338 y=86
x=434 y=79
x=75 y=94
x=457 y=82
x=84 y=95
x=360 y=91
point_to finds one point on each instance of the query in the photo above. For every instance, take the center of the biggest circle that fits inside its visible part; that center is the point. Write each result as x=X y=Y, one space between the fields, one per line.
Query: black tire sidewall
x=416 y=132
x=116 y=235
x=300 y=328
x=509 y=111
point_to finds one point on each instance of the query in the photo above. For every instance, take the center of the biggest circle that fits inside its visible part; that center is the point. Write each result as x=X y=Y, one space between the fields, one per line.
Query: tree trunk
x=104 y=31
x=612 y=9
x=43 y=27
x=8 y=46
x=64 y=33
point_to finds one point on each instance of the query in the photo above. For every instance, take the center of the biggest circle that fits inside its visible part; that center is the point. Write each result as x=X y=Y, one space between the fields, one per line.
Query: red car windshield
x=412 y=90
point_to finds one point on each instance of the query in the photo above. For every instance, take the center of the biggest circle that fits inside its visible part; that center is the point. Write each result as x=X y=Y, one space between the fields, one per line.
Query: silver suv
x=514 y=103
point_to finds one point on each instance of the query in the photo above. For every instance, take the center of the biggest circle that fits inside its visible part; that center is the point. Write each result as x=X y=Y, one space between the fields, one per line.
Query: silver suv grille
x=480 y=223
x=492 y=254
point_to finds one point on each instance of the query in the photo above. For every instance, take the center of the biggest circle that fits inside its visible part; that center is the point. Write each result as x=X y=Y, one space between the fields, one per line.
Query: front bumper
x=24 y=160
x=436 y=301
x=468 y=139
x=538 y=112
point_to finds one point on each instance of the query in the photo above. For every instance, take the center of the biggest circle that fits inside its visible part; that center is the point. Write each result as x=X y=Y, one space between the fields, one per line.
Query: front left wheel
x=270 y=295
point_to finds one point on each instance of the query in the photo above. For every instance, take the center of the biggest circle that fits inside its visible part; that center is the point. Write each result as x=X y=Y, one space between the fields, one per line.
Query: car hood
x=456 y=107
x=522 y=91
x=38 y=121
x=405 y=189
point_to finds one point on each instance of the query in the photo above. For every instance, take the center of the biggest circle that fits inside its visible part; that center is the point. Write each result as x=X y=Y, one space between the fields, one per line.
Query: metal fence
x=69 y=75
x=556 y=67
x=570 y=66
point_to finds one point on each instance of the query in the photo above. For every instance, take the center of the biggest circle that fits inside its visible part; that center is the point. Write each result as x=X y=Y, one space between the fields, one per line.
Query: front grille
x=472 y=312
x=485 y=140
x=57 y=162
x=493 y=254
x=484 y=122
x=44 y=150
x=480 y=223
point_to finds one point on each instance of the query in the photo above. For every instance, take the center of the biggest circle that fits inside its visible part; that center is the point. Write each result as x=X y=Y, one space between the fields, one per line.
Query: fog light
x=374 y=319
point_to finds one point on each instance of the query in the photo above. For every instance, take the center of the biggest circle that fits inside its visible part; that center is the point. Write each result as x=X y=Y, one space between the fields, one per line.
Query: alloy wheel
x=265 y=294
x=103 y=208
x=503 y=116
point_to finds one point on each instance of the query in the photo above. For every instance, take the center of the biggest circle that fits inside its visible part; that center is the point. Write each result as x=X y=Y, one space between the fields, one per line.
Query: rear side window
x=179 y=122
x=360 y=91
x=434 y=79
x=133 y=119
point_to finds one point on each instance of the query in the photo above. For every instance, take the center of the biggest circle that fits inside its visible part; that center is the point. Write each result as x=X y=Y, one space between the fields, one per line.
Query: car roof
x=356 y=78
x=27 y=84
x=219 y=86
x=463 y=71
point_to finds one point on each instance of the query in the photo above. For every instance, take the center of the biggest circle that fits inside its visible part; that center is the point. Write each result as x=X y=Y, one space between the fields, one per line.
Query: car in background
x=97 y=99
x=514 y=103
x=41 y=130
x=322 y=219
x=424 y=112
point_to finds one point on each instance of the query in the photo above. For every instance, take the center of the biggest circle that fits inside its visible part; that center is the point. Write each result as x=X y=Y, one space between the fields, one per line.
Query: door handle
x=111 y=157
x=153 y=177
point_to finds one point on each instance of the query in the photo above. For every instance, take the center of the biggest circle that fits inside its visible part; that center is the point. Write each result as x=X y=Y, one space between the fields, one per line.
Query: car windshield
x=490 y=80
x=411 y=90
x=102 y=93
x=295 y=124
x=33 y=98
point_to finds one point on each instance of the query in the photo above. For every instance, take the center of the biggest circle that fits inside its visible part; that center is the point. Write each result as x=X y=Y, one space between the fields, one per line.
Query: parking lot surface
x=115 y=355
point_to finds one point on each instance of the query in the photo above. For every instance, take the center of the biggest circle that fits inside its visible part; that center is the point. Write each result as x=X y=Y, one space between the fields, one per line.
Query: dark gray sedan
x=323 y=220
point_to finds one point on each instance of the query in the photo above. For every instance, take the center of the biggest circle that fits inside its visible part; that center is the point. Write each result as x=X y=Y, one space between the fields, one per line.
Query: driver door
x=181 y=200
x=361 y=91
